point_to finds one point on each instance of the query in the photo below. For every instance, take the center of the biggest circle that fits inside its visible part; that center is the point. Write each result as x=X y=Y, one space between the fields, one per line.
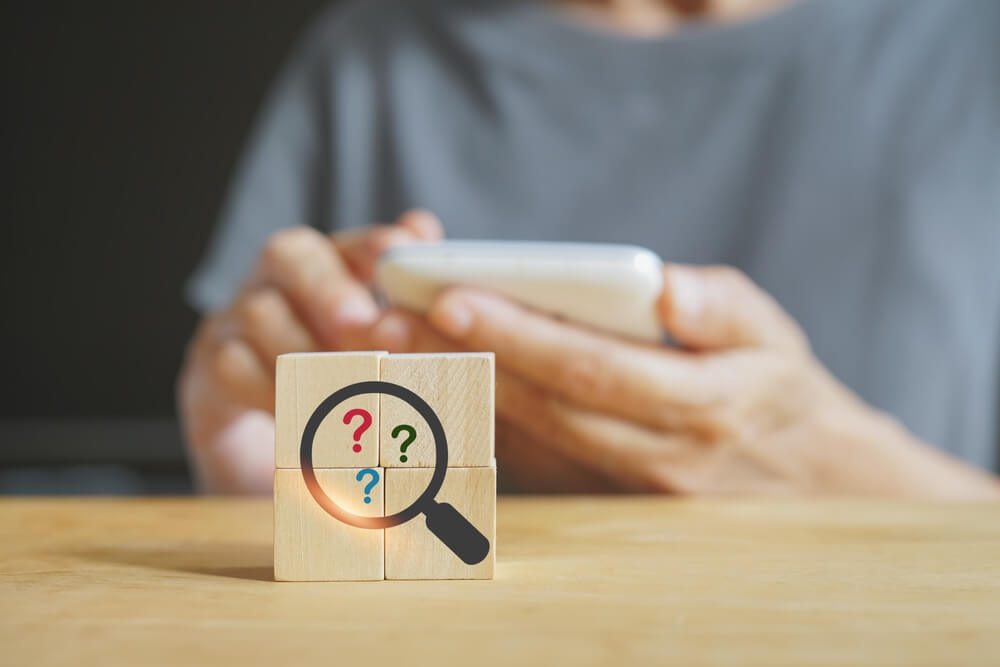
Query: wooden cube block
x=303 y=381
x=411 y=550
x=459 y=388
x=311 y=545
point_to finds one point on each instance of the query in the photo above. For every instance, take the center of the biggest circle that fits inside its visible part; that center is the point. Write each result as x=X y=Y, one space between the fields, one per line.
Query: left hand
x=742 y=407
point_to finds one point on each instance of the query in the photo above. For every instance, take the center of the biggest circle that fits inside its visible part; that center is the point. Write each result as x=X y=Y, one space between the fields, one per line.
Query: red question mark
x=366 y=421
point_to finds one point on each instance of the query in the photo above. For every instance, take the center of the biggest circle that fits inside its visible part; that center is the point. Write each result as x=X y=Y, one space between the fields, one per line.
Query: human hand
x=741 y=407
x=308 y=292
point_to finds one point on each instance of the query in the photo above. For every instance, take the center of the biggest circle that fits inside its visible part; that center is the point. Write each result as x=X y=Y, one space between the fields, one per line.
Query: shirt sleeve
x=279 y=180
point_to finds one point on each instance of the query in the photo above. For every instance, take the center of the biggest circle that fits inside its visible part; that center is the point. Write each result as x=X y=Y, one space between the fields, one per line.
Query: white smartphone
x=606 y=286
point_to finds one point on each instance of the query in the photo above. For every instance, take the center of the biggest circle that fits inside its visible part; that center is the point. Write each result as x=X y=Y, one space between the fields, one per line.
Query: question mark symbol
x=407 y=442
x=368 y=472
x=366 y=421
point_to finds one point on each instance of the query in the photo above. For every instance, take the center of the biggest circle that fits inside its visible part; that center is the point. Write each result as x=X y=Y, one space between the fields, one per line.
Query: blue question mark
x=368 y=472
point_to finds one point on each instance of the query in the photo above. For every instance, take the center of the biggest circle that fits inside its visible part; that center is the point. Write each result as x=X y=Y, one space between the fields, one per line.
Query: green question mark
x=409 y=439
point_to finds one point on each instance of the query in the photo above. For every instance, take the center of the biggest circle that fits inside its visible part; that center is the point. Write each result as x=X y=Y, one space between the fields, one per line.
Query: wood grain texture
x=303 y=381
x=411 y=550
x=579 y=581
x=311 y=545
x=459 y=388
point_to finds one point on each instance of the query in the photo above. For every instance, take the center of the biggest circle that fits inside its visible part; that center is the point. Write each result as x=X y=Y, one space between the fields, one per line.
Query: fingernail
x=453 y=316
x=686 y=295
x=392 y=333
x=355 y=311
x=423 y=223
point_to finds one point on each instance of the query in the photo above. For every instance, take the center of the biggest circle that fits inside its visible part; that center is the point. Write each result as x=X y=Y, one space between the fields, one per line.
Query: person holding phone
x=822 y=177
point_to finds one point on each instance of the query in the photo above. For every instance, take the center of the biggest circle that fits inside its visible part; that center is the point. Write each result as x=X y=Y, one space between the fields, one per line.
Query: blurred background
x=121 y=122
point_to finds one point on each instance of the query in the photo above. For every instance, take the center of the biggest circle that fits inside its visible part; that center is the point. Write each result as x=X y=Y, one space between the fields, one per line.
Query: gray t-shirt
x=844 y=153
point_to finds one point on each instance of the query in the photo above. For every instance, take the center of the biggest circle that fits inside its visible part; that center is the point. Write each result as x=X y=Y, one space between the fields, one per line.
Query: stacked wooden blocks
x=374 y=455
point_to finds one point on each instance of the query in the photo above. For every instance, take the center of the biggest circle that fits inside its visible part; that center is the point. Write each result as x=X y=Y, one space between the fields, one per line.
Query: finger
x=718 y=307
x=636 y=458
x=648 y=384
x=399 y=331
x=361 y=248
x=237 y=374
x=266 y=321
x=526 y=466
x=305 y=266
x=425 y=225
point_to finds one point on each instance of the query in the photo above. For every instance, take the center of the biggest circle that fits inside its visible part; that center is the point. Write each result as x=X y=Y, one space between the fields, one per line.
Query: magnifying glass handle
x=457 y=533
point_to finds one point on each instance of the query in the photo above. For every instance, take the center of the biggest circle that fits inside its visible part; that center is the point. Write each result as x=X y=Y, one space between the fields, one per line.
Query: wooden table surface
x=622 y=580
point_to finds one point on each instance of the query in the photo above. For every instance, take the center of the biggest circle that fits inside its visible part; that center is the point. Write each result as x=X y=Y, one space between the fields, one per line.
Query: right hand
x=307 y=292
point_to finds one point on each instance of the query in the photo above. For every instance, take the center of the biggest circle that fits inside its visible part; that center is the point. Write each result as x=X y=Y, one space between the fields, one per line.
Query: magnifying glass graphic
x=442 y=519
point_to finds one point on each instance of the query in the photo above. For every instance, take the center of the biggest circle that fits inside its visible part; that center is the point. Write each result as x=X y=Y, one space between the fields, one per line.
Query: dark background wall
x=120 y=124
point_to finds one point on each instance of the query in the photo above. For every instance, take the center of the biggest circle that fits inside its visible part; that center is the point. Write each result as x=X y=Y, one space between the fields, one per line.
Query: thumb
x=718 y=307
x=362 y=247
